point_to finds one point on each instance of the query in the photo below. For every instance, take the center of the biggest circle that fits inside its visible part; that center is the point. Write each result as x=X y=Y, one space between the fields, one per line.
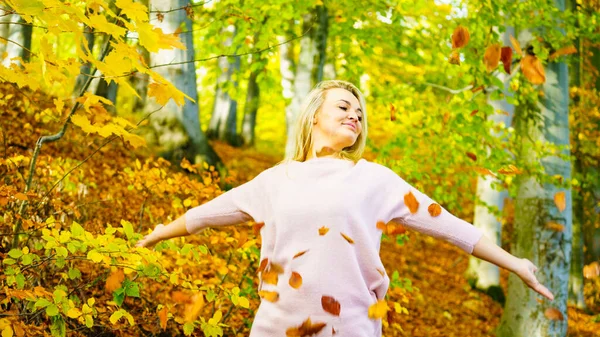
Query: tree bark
x=177 y=129
x=86 y=67
x=251 y=108
x=549 y=249
x=20 y=41
x=223 y=122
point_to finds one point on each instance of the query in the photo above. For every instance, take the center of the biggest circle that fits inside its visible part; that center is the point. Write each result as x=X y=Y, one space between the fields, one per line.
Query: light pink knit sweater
x=294 y=201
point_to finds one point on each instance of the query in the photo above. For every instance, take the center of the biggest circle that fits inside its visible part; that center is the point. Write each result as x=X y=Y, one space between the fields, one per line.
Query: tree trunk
x=5 y=28
x=140 y=81
x=321 y=42
x=484 y=275
x=20 y=41
x=223 y=122
x=86 y=67
x=108 y=91
x=548 y=249
x=287 y=68
x=251 y=108
x=177 y=129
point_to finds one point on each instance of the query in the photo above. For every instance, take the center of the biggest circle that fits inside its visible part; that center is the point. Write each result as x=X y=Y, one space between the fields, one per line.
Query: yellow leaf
x=271 y=296
x=516 y=45
x=378 y=310
x=99 y=23
x=295 y=280
x=164 y=92
x=349 y=239
x=74 y=313
x=134 y=10
x=94 y=256
x=244 y=303
x=560 y=201
x=7 y=331
x=323 y=230
x=153 y=38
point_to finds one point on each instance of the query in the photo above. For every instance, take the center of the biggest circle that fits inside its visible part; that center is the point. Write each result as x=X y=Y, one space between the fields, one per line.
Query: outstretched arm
x=162 y=232
x=487 y=250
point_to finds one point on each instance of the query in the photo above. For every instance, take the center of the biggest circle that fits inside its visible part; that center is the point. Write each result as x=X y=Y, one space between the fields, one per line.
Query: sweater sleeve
x=238 y=205
x=419 y=215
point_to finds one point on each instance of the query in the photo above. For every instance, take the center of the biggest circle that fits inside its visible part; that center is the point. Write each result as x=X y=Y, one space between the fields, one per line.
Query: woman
x=322 y=211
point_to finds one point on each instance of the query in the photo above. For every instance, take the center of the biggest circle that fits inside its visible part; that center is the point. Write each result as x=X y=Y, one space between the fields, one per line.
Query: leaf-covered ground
x=444 y=304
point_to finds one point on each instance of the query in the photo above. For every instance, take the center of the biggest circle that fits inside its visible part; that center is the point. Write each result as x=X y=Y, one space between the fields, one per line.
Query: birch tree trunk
x=86 y=67
x=549 y=249
x=484 y=275
x=177 y=129
x=19 y=45
x=223 y=122
x=251 y=108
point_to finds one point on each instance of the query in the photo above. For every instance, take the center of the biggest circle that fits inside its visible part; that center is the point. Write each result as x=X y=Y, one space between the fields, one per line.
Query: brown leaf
x=330 y=305
x=323 y=230
x=113 y=282
x=554 y=314
x=454 y=57
x=560 y=201
x=563 y=51
x=434 y=209
x=392 y=112
x=516 y=45
x=555 y=226
x=162 y=317
x=491 y=57
x=295 y=280
x=257 y=227
x=271 y=296
x=270 y=277
x=306 y=329
x=347 y=238
x=533 y=69
x=300 y=254
x=160 y=16
x=510 y=169
x=460 y=37
x=506 y=58
x=274 y=267
x=263 y=265
x=381 y=272
x=20 y=196
x=411 y=202
x=243 y=237
x=474 y=112
x=472 y=156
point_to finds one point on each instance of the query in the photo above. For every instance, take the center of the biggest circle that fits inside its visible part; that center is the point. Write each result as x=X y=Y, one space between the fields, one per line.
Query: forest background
x=119 y=115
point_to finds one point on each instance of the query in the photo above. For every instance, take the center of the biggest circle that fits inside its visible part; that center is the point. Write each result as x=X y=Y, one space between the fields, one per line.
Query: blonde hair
x=303 y=140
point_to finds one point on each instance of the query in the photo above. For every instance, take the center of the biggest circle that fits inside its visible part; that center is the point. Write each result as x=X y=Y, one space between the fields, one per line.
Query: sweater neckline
x=328 y=160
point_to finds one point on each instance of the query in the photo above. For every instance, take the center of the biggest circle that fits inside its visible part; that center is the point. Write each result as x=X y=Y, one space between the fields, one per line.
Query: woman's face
x=338 y=122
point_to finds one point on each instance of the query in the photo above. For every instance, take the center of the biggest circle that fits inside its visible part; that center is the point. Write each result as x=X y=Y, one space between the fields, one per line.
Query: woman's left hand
x=525 y=270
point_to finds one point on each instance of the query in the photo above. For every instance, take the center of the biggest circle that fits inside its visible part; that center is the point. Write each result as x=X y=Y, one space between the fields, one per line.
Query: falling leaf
x=392 y=112
x=113 y=282
x=347 y=238
x=533 y=69
x=474 y=112
x=555 y=226
x=434 y=209
x=330 y=305
x=381 y=272
x=394 y=229
x=271 y=296
x=592 y=270
x=160 y=16
x=491 y=57
x=270 y=277
x=484 y=171
x=506 y=58
x=454 y=57
x=411 y=202
x=20 y=196
x=306 y=329
x=563 y=51
x=378 y=310
x=323 y=230
x=300 y=254
x=162 y=317
x=472 y=156
x=274 y=267
x=460 y=37
x=333 y=332
x=554 y=314
x=295 y=280
x=263 y=265
x=257 y=227
x=243 y=238
x=510 y=169
x=560 y=201
x=516 y=45
x=192 y=310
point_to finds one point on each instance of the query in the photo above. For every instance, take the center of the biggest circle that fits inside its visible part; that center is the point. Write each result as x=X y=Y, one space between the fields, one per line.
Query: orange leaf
x=347 y=238
x=491 y=57
x=274 y=267
x=271 y=296
x=381 y=225
x=257 y=227
x=554 y=314
x=381 y=272
x=411 y=202
x=592 y=270
x=323 y=230
x=192 y=310
x=434 y=209
x=295 y=280
x=113 y=282
x=472 y=156
x=330 y=305
x=270 y=277
x=306 y=329
x=533 y=69
x=555 y=226
x=181 y=297
x=20 y=196
x=506 y=58
x=263 y=265
x=392 y=112
x=395 y=229
x=300 y=254
x=560 y=201
x=162 y=317
x=510 y=169
x=484 y=171
x=460 y=37
x=563 y=51
x=243 y=238
x=516 y=45
x=454 y=58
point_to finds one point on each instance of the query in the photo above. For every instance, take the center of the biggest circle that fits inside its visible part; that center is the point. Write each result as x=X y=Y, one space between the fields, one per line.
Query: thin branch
x=22 y=24
x=18 y=44
x=181 y=8
x=450 y=90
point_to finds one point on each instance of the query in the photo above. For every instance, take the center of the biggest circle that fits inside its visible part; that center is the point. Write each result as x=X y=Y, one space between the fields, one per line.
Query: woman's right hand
x=153 y=238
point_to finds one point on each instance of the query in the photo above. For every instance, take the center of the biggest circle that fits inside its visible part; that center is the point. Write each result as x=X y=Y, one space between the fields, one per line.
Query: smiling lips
x=351 y=125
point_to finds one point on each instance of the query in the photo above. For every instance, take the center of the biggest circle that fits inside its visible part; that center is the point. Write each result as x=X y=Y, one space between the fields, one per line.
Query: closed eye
x=346 y=109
